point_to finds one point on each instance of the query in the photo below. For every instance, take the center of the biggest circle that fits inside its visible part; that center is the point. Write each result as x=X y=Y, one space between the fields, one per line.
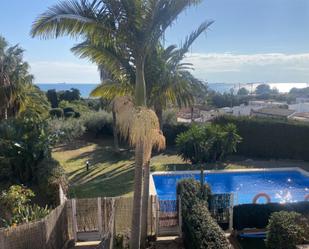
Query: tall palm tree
x=16 y=89
x=136 y=25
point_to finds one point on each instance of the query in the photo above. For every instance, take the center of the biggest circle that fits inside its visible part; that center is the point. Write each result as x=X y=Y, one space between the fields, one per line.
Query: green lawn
x=112 y=174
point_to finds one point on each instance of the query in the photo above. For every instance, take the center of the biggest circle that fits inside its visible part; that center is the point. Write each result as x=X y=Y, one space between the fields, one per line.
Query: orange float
x=266 y=196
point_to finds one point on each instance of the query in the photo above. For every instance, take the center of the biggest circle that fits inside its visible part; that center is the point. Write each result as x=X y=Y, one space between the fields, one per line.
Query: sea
x=85 y=88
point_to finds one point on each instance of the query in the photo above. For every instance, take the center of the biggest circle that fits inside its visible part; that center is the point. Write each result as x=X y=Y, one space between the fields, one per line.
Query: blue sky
x=250 y=41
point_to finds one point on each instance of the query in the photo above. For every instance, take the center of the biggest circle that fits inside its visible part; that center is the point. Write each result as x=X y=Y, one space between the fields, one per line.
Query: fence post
x=100 y=226
x=157 y=216
x=74 y=219
x=179 y=216
x=2 y=239
x=231 y=212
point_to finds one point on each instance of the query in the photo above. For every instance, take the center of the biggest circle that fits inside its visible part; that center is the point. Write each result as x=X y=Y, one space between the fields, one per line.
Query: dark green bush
x=202 y=231
x=69 y=114
x=257 y=215
x=68 y=109
x=172 y=131
x=199 y=228
x=56 y=112
x=51 y=175
x=98 y=123
x=268 y=138
x=286 y=230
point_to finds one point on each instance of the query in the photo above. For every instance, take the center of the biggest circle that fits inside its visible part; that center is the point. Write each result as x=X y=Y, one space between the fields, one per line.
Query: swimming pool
x=281 y=185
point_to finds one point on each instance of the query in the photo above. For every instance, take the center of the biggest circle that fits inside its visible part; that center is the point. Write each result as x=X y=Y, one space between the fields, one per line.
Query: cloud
x=230 y=67
x=58 y=72
x=213 y=67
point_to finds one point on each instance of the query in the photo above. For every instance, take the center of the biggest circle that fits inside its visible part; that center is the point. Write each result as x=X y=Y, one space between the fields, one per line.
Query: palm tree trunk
x=159 y=111
x=140 y=98
x=115 y=132
x=6 y=113
x=145 y=198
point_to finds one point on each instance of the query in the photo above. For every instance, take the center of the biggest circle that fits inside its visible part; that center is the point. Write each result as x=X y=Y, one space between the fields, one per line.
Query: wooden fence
x=48 y=233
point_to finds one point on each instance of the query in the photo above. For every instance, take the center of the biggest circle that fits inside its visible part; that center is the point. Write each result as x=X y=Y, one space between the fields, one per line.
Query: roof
x=274 y=112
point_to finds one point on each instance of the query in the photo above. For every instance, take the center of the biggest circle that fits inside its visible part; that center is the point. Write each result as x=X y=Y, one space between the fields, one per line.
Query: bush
x=51 y=175
x=63 y=130
x=268 y=138
x=169 y=117
x=207 y=143
x=69 y=114
x=16 y=207
x=286 y=230
x=98 y=123
x=56 y=113
x=68 y=109
x=199 y=228
x=172 y=131
x=257 y=215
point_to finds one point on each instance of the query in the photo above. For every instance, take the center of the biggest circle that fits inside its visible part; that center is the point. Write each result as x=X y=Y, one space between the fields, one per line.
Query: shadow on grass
x=114 y=183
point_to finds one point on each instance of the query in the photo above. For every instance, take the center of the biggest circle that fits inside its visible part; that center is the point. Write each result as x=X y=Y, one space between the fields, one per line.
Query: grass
x=112 y=174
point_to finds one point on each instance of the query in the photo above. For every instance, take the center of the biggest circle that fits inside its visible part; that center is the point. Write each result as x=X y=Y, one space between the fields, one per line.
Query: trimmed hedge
x=286 y=230
x=199 y=228
x=172 y=131
x=269 y=138
x=257 y=215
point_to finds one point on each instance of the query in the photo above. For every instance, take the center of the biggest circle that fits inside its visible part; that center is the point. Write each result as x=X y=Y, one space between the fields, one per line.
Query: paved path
x=86 y=245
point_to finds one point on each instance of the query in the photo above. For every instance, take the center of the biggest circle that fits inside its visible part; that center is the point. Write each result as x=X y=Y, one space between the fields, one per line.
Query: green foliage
x=121 y=241
x=207 y=143
x=69 y=114
x=220 y=100
x=51 y=175
x=263 y=89
x=286 y=230
x=272 y=139
x=170 y=117
x=257 y=215
x=56 y=113
x=199 y=228
x=24 y=142
x=63 y=130
x=98 y=123
x=172 y=131
x=16 y=208
x=52 y=98
x=69 y=95
x=243 y=91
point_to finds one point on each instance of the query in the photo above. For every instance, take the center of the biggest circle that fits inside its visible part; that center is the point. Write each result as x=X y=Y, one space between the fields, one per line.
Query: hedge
x=286 y=230
x=199 y=228
x=257 y=215
x=172 y=131
x=56 y=112
x=269 y=138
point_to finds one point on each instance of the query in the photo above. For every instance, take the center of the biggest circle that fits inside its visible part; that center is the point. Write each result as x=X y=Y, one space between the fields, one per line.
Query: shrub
x=202 y=231
x=98 y=123
x=207 y=143
x=51 y=175
x=69 y=114
x=172 y=131
x=285 y=230
x=268 y=138
x=63 y=130
x=56 y=113
x=199 y=228
x=257 y=215
x=16 y=207
x=24 y=142
x=170 y=117
x=68 y=109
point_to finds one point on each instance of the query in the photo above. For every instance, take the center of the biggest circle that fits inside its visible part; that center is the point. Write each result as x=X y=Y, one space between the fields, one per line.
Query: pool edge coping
x=153 y=191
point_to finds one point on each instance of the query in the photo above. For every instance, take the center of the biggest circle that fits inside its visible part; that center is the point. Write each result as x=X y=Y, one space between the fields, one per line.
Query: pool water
x=281 y=185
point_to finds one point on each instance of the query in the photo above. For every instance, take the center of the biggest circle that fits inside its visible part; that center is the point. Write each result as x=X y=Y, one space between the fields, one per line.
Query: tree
x=52 y=98
x=17 y=93
x=263 y=89
x=243 y=91
x=134 y=25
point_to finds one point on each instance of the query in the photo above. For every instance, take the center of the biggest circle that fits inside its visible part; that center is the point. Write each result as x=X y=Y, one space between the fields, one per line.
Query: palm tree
x=16 y=89
x=133 y=24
